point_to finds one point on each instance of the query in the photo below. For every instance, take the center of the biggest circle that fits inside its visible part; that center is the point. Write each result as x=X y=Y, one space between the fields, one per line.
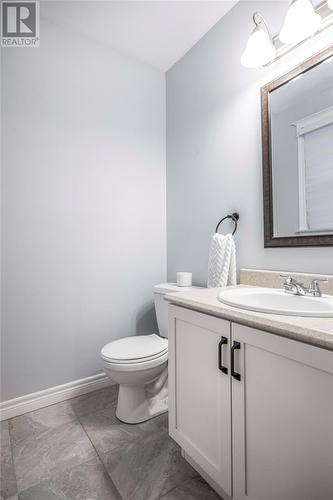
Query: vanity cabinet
x=255 y=411
x=199 y=392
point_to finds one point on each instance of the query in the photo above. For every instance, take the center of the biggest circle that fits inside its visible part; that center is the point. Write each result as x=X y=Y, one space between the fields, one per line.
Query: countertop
x=314 y=331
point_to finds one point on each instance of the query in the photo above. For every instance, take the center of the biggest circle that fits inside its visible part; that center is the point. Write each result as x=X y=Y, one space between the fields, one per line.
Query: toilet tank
x=161 y=305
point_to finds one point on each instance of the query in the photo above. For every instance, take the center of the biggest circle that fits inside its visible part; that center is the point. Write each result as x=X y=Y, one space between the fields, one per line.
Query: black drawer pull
x=235 y=345
x=223 y=341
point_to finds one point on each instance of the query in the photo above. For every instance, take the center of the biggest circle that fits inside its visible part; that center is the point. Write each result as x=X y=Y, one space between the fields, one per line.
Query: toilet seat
x=135 y=350
x=137 y=366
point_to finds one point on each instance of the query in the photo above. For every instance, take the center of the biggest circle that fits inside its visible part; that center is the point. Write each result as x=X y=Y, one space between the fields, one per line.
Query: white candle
x=184 y=279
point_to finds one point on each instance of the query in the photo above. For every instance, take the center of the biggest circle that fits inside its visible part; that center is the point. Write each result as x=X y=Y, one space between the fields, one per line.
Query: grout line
x=102 y=462
x=92 y=444
x=12 y=455
x=99 y=457
x=50 y=473
x=180 y=484
x=169 y=491
x=77 y=419
x=93 y=411
x=74 y=419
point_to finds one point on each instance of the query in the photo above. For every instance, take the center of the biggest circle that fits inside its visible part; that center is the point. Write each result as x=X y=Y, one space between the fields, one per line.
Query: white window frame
x=303 y=127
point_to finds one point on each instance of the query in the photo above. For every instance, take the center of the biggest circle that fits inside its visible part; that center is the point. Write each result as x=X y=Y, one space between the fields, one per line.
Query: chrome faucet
x=294 y=287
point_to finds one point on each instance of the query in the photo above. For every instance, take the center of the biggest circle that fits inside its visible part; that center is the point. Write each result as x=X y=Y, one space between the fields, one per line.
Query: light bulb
x=330 y=4
x=259 y=49
x=301 y=22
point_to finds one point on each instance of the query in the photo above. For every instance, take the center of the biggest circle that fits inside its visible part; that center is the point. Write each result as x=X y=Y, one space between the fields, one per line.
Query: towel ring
x=234 y=217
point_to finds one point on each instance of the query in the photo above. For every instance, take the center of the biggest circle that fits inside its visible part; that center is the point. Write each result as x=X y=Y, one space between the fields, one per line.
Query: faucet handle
x=314 y=289
x=289 y=279
x=287 y=276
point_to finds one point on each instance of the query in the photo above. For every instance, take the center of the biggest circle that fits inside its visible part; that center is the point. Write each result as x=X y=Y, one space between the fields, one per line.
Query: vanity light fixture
x=259 y=49
x=301 y=21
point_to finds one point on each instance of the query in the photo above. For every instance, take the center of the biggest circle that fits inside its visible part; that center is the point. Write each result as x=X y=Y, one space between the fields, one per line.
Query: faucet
x=294 y=287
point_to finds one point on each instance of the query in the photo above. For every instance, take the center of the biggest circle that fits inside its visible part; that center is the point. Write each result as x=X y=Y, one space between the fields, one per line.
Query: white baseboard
x=30 y=402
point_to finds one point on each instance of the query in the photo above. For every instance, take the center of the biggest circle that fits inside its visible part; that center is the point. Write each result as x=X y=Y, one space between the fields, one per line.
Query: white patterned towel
x=222 y=261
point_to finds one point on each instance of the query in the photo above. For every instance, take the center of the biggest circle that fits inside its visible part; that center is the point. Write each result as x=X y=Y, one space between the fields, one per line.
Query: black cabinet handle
x=235 y=345
x=223 y=341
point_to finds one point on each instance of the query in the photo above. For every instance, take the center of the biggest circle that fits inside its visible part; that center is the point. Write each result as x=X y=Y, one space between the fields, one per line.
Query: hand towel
x=222 y=261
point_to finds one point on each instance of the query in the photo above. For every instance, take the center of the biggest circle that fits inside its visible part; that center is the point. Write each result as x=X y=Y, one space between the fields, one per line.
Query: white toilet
x=139 y=365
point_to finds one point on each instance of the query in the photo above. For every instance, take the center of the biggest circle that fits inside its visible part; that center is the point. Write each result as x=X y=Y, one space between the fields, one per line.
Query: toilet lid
x=134 y=348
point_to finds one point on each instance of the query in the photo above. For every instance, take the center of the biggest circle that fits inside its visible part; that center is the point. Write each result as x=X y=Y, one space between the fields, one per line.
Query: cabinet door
x=199 y=392
x=282 y=418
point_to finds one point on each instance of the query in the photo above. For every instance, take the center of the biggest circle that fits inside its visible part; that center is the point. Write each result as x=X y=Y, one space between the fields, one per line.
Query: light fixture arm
x=260 y=21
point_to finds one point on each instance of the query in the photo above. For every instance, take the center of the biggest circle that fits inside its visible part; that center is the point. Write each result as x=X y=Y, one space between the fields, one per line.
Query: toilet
x=139 y=365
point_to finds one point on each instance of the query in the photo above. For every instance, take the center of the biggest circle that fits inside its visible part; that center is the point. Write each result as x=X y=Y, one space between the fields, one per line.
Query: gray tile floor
x=78 y=450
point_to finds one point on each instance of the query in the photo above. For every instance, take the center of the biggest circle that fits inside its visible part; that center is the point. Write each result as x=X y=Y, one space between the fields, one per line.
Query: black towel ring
x=234 y=217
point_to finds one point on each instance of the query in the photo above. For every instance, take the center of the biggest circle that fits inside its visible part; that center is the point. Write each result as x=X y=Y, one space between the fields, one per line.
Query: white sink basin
x=275 y=301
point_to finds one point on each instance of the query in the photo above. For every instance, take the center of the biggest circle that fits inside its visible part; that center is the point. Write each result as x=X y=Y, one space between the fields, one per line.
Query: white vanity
x=251 y=398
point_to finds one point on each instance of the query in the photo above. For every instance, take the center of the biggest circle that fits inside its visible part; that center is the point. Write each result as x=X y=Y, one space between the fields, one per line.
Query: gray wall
x=214 y=149
x=83 y=205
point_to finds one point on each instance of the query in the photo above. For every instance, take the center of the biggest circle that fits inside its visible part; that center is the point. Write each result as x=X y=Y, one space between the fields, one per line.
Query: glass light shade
x=301 y=22
x=259 y=49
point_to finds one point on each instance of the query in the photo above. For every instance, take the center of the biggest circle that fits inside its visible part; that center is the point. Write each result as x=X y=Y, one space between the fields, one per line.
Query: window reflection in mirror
x=301 y=149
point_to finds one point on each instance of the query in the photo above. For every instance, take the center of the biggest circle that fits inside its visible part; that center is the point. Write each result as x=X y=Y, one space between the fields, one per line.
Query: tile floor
x=78 y=450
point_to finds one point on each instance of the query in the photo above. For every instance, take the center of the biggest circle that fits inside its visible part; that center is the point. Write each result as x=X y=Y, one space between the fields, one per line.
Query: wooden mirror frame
x=269 y=238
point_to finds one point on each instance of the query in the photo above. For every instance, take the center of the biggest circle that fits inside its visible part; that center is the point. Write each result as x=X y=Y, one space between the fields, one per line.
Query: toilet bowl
x=139 y=365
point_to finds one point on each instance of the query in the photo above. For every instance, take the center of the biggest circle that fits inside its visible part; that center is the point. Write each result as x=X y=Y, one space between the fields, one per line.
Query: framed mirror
x=297 y=142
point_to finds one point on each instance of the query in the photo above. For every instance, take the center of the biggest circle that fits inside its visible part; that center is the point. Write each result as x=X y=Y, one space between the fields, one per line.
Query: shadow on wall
x=146 y=320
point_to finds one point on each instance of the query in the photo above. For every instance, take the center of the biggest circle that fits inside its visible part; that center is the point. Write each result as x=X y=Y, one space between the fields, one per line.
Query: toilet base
x=138 y=403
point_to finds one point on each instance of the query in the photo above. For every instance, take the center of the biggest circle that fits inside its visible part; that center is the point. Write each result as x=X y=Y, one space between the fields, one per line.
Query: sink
x=276 y=301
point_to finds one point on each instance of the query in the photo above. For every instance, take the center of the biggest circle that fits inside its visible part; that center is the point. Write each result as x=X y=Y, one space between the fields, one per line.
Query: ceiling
x=156 y=32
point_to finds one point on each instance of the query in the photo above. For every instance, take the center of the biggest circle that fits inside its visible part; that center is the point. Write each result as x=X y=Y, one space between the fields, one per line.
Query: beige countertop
x=315 y=331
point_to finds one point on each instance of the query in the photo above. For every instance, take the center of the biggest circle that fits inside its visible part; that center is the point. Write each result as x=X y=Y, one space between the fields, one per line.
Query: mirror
x=297 y=132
